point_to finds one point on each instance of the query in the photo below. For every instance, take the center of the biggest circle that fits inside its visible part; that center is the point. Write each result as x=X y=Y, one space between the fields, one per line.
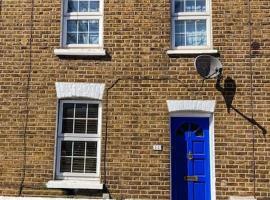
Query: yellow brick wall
x=136 y=37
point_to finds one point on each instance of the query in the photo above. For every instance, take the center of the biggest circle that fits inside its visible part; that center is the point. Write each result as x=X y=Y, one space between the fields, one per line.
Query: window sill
x=191 y=51
x=80 y=52
x=74 y=184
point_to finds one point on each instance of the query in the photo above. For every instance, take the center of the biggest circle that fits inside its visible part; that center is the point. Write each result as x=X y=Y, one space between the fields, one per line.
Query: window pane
x=73 y=6
x=194 y=127
x=190 y=26
x=190 y=6
x=91 y=149
x=68 y=110
x=180 y=40
x=179 y=132
x=191 y=39
x=66 y=148
x=201 y=33
x=72 y=31
x=65 y=164
x=199 y=133
x=80 y=125
x=94 y=6
x=83 y=32
x=200 y=6
x=92 y=110
x=83 y=38
x=72 y=26
x=190 y=33
x=201 y=40
x=67 y=126
x=94 y=26
x=90 y=166
x=185 y=126
x=83 y=26
x=201 y=26
x=83 y=6
x=79 y=149
x=179 y=6
x=93 y=39
x=92 y=126
x=180 y=26
x=72 y=38
x=80 y=111
x=78 y=165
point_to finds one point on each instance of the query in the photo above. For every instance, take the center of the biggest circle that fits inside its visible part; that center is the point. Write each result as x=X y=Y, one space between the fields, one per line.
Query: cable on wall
x=21 y=186
x=136 y=79
x=250 y=26
x=1 y=7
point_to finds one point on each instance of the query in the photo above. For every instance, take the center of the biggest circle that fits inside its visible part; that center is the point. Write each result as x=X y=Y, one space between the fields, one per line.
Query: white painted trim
x=212 y=157
x=191 y=105
x=72 y=184
x=211 y=24
x=186 y=110
x=79 y=90
x=191 y=51
x=62 y=23
x=241 y=198
x=55 y=139
x=80 y=52
x=189 y=114
x=39 y=198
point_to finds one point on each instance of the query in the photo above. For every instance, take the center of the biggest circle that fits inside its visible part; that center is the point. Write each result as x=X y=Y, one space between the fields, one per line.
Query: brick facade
x=141 y=77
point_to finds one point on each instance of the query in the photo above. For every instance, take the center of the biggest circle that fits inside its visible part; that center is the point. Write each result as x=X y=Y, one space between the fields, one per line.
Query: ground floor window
x=78 y=139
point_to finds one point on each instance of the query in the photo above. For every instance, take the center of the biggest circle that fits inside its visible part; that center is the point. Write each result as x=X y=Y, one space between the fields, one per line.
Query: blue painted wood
x=190 y=135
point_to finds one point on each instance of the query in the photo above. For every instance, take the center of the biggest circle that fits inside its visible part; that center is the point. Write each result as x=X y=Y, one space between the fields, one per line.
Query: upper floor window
x=82 y=23
x=191 y=24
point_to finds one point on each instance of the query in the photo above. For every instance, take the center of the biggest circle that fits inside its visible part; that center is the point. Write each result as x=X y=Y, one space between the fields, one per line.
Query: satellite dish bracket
x=208 y=67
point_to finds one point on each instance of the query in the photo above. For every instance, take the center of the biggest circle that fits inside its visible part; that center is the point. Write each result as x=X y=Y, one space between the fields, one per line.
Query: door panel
x=190 y=163
x=198 y=147
x=199 y=191
x=199 y=168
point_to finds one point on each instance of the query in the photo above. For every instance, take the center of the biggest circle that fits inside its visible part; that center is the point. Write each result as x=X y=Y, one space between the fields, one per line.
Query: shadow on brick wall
x=228 y=92
x=107 y=57
x=76 y=193
x=0 y=7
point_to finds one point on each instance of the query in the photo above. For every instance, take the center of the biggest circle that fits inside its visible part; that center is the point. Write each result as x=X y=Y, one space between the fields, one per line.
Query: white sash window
x=78 y=139
x=82 y=23
x=191 y=24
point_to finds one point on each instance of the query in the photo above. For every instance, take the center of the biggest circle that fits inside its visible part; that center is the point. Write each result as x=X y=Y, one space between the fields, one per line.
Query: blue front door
x=190 y=162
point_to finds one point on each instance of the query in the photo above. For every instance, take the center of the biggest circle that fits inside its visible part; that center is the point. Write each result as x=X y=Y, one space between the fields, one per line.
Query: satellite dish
x=208 y=66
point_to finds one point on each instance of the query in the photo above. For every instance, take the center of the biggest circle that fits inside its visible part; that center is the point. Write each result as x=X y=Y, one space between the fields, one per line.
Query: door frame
x=211 y=146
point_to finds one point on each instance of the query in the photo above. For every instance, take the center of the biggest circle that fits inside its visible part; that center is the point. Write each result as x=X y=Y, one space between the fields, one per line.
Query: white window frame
x=192 y=16
x=81 y=16
x=78 y=137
